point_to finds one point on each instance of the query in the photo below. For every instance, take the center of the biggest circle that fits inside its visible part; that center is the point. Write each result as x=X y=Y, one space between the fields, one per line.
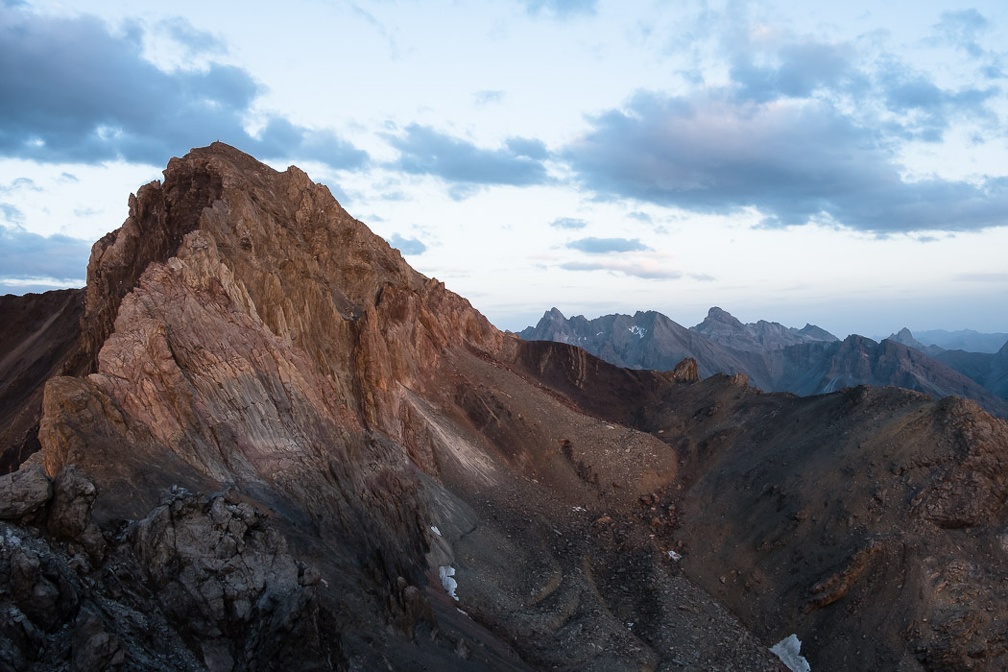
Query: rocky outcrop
x=226 y=580
x=201 y=583
x=23 y=492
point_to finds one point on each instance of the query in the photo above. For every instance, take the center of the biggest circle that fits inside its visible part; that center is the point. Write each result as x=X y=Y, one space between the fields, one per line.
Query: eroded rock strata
x=283 y=447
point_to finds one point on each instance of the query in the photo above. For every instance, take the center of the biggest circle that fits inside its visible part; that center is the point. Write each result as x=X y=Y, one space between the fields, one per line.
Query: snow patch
x=435 y=530
x=637 y=331
x=449 y=583
x=789 y=651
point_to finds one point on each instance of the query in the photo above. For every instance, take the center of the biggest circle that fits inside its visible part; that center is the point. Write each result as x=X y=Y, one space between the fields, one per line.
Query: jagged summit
x=906 y=337
x=232 y=269
x=717 y=315
x=724 y=328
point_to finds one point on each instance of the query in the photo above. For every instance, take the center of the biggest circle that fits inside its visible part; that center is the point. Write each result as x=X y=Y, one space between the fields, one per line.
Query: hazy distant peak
x=719 y=315
x=724 y=328
x=817 y=333
x=906 y=337
x=553 y=314
x=963 y=339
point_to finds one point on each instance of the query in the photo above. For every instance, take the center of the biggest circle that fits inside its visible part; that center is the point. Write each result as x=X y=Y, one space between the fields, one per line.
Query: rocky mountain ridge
x=274 y=444
x=989 y=370
x=724 y=328
x=775 y=358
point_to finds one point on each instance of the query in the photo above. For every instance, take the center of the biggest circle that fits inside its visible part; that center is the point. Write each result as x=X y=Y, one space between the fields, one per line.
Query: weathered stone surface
x=70 y=512
x=23 y=492
x=224 y=576
x=686 y=371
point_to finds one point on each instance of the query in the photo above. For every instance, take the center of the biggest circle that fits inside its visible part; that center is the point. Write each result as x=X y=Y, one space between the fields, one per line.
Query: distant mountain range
x=987 y=369
x=776 y=358
x=963 y=339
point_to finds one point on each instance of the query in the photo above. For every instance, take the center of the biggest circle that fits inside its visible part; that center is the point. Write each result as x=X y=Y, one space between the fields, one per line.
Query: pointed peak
x=716 y=312
x=721 y=316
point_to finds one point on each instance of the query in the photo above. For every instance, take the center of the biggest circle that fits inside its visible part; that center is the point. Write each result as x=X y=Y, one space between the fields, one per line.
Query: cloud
x=568 y=223
x=560 y=8
x=647 y=269
x=795 y=161
x=800 y=68
x=195 y=41
x=607 y=245
x=407 y=245
x=19 y=184
x=962 y=29
x=74 y=91
x=12 y=214
x=28 y=259
x=925 y=110
x=487 y=97
x=796 y=69
x=529 y=147
x=425 y=151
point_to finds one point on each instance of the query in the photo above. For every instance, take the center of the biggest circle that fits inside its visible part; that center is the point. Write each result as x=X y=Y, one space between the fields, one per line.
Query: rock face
x=23 y=492
x=274 y=439
x=205 y=570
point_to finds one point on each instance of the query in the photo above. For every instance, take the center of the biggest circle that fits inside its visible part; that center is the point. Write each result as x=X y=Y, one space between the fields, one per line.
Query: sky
x=836 y=163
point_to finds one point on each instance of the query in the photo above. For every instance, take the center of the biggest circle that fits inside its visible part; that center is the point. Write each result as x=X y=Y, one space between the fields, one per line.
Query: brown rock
x=70 y=511
x=686 y=371
x=23 y=492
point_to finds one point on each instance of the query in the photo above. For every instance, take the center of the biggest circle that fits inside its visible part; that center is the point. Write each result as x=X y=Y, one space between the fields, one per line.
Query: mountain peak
x=905 y=337
x=720 y=323
x=717 y=314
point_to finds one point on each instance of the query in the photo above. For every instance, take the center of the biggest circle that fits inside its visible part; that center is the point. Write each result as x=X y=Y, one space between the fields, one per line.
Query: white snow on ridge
x=637 y=331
